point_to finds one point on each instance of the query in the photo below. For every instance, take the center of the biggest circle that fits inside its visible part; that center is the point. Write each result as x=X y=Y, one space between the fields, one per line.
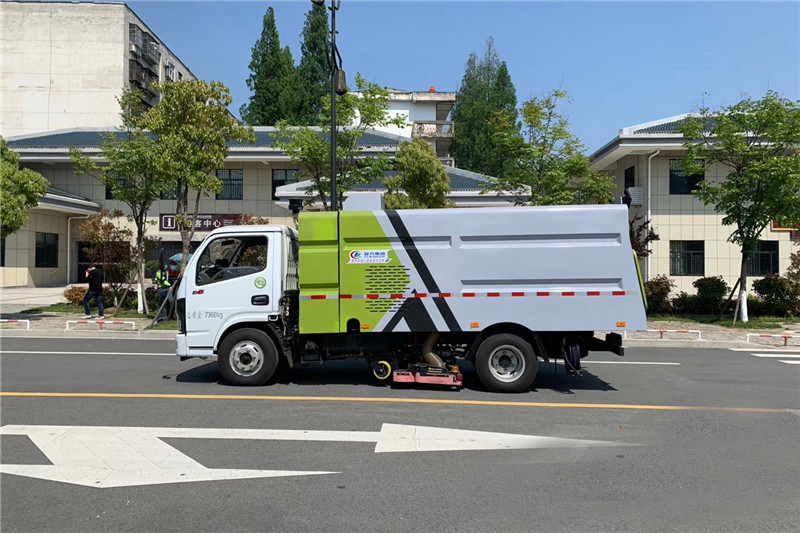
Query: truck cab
x=238 y=277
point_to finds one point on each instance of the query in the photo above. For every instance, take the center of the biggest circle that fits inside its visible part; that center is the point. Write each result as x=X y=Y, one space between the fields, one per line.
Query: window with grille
x=46 y=250
x=282 y=177
x=630 y=177
x=764 y=260
x=679 y=182
x=686 y=258
x=122 y=182
x=231 y=184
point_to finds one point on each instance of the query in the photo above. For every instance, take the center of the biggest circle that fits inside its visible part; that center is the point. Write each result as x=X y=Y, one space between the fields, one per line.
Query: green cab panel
x=319 y=272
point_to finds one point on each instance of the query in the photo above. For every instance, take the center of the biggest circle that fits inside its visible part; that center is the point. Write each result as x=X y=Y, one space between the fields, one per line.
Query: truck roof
x=271 y=228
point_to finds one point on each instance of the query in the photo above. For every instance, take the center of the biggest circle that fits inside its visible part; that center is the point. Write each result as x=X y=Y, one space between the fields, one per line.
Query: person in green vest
x=163 y=286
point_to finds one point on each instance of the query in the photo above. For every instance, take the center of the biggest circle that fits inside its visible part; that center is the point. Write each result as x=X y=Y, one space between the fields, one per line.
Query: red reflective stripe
x=373 y=296
x=421 y=295
x=567 y=294
x=468 y=295
x=317 y=296
x=517 y=294
x=618 y=293
x=346 y=296
x=593 y=293
x=493 y=294
x=542 y=294
x=444 y=295
x=397 y=296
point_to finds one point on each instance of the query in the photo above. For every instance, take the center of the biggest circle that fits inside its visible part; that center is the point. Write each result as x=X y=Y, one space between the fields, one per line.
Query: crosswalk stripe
x=795 y=362
x=776 y=355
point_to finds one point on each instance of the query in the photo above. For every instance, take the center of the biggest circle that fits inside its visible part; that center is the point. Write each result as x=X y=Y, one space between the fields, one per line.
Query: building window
x=3 y=252
x=170 y=195
x=180 y=76
x=231 y=184
x=630 y=177
x=282 y=177
x=686 y=258
x=169 y=72
x=46 y=250
x=679 y=182
x=122 y=182
x=764 y=259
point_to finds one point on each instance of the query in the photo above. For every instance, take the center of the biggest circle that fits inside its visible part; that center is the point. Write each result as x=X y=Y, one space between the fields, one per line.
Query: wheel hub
x=507 y=363
x=246 y=358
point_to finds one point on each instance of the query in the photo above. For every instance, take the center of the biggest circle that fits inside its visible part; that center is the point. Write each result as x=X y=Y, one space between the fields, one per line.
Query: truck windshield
x=228 y=258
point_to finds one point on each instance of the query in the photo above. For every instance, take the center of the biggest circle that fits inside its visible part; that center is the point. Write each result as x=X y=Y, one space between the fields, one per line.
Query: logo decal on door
x=260 y=283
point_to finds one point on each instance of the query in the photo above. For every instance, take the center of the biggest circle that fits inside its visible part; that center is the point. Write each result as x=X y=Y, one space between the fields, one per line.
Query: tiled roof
x=65 y=194
x=460 y=180
x=670 y=127
x=93 y=138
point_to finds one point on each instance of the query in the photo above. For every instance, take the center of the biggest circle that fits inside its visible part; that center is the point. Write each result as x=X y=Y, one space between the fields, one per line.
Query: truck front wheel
x=506 y=363
x=247 y=357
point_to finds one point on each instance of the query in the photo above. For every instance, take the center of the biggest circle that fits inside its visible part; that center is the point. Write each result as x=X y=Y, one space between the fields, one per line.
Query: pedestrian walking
x=163 y=287
x=94 y=275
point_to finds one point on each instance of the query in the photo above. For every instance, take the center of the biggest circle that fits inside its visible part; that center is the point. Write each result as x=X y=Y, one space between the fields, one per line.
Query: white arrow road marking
x=128 y=456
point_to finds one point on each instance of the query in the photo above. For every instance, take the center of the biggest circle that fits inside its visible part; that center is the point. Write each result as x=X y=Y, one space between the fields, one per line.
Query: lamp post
x=338 y=86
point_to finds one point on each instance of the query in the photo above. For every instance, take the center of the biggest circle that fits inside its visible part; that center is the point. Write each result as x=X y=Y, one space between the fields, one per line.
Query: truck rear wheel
x=506 y=363
x=247 y=357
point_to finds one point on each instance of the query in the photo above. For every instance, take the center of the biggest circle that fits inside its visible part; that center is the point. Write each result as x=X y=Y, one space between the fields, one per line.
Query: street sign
x=105 y=457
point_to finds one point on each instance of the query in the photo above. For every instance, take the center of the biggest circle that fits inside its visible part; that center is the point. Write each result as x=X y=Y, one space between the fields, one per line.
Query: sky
x=623 y=63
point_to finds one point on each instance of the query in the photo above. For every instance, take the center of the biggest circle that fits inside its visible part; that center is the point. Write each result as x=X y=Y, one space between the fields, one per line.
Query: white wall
x=62 y=65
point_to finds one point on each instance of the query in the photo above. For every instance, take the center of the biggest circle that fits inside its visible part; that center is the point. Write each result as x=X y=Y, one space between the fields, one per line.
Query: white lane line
x=776 y=355
x=628 y=363
x=791 y=362
x=764 y=349
x=82 y=353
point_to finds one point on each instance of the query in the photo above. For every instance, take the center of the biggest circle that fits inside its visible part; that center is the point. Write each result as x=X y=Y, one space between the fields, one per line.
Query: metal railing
x=432 y=128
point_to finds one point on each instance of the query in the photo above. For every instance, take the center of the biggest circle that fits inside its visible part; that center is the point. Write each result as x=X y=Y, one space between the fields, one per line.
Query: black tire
x=247 y=357
x=506 y=363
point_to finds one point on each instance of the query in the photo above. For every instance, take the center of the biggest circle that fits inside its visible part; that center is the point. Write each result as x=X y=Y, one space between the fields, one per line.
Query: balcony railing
x=141 y=78
x=432 y=129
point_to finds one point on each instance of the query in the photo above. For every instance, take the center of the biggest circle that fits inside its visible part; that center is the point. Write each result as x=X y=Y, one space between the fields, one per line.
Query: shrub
x=686 y=304
x=657 y=291
x=74 y=294
x=779 y=294
x=755 y=306
x=132 y=300
x=711 y=292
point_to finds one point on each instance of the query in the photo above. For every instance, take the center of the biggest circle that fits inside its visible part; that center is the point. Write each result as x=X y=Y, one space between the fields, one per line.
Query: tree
x=193 y=128
x=20 y=189
x=109 y=244
x=131 y=173
x=313 y=72
x=422 y=183
x=642 y=234
x=550 y=167
x=272 y=79
x=485 y=89
x=757 y=141
x=355 y=113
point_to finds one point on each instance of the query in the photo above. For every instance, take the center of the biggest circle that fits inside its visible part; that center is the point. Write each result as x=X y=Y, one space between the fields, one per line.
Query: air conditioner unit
x=134 y=49
x=637 y=197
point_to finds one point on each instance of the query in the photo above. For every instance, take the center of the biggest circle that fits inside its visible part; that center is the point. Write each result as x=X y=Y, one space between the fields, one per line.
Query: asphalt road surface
x=118 y=435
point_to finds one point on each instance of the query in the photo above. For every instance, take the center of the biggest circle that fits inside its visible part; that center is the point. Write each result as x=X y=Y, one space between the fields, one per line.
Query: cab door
x=232 y=280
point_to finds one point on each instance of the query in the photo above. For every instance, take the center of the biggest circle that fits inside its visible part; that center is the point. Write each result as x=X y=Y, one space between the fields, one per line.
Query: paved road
x=705 y=440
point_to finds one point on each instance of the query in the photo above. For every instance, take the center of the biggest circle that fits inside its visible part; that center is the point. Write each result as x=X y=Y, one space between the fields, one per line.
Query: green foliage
x=549 y=168
x=757 y=141
x=193 y=128
x=781 y=296
x=355 y=113
x=20 y=190
x=108 y=243
x=657 y=291
x=272 y=79
x=486 y=89
x=711 y=293
x=422 y=183
x=74 y=295
x=313 y=71
x=686 y=304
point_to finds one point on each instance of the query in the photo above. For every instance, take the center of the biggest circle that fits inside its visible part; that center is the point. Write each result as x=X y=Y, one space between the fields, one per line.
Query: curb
x=93 y=334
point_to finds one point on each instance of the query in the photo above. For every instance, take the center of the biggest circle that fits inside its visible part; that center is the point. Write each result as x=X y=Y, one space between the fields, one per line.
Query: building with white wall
x=64 y=64
x=693 y=242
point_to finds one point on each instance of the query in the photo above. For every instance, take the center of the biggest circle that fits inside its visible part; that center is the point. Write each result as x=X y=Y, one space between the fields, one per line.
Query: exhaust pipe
x=427 y=351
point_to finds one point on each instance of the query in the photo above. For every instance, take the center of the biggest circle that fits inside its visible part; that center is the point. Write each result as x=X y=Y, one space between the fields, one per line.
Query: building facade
x=64 y=64
x=644 y=160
